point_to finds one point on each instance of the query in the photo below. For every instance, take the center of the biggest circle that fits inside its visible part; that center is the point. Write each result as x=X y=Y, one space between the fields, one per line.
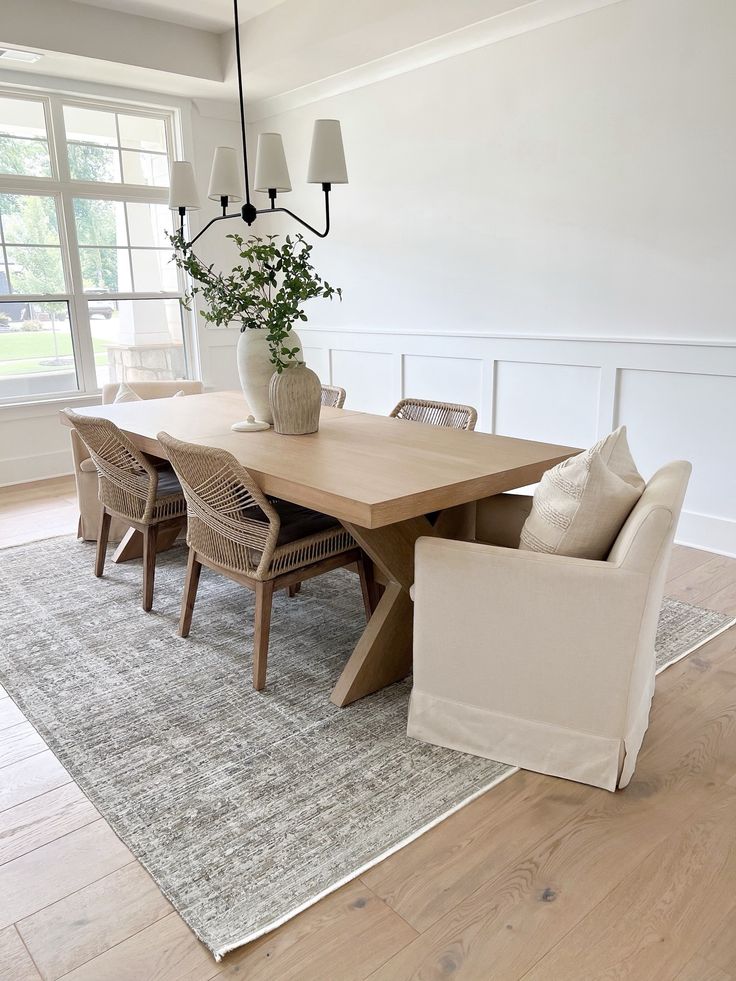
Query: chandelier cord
x=242 y=101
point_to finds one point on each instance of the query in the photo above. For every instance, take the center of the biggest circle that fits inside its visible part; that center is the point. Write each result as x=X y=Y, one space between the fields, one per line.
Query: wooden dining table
x=380 y=477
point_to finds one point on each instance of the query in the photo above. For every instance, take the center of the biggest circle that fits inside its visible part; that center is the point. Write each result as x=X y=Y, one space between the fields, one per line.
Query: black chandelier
x=326 y=167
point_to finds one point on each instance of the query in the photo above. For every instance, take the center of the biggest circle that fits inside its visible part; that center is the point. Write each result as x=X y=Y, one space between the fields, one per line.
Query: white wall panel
x=444 y=379
x=674 y=415
x=222 y=364
x=555 y=403
x=677 y=398
x=319 y=361
x=367 y=376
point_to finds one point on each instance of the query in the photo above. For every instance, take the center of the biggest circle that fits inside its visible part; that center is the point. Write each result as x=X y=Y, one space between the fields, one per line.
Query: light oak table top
x=367 y=470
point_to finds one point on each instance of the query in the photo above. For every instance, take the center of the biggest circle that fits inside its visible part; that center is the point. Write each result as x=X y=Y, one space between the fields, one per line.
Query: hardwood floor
x=541 y=879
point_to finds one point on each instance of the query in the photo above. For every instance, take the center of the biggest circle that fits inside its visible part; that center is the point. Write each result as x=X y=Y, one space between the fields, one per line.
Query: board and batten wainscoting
x=678 y=398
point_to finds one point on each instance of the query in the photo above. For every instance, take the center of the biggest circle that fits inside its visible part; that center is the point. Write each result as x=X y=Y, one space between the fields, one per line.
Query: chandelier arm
x=238 y=57
x=235 y=214
x=272 y=210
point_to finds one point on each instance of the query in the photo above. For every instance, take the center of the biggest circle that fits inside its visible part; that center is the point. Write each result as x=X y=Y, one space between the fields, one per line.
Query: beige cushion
x=153 y=389
x=581 y=504
x=126 y=394
x=88 y=465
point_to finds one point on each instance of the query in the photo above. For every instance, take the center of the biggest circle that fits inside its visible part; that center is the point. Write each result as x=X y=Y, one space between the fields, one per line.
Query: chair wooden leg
x=194 y=567
x=102 y=532
x=293 y=590
x=367 y=585
x=264 y=596
x=150 y=537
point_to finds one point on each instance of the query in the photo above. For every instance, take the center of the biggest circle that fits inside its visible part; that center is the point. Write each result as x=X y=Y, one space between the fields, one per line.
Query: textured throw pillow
x=126 y=394
x=581 y=504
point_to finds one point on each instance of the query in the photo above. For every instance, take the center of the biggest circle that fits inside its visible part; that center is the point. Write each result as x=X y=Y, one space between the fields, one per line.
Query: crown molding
x=520 y=20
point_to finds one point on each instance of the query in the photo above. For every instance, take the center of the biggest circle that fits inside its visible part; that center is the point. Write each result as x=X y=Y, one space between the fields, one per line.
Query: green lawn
x=22 y=351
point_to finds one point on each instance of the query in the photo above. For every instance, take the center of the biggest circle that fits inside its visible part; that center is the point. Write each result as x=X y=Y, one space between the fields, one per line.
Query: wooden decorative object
x=296 y=397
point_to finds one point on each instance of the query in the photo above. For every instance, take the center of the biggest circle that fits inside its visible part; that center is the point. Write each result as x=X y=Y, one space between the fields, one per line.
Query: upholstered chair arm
x=499 y=519
x=80 y=452
x=510 y=635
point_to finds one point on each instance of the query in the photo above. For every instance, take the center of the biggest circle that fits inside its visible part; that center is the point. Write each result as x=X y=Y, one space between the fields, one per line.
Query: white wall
x=575 y=181
x=214 y=247
x=542 y=226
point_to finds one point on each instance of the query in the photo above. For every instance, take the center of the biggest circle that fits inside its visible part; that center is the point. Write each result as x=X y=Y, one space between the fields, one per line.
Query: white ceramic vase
x=255 y=369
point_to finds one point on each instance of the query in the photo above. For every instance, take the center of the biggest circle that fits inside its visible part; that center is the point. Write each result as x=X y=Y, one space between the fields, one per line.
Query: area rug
x=245 y=807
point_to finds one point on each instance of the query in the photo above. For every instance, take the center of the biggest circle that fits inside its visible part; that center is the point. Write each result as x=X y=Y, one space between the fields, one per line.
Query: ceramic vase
x=255 y=369
x=296 y=396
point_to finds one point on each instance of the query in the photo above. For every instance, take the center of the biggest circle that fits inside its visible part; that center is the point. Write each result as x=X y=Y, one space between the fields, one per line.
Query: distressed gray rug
x=245 y=807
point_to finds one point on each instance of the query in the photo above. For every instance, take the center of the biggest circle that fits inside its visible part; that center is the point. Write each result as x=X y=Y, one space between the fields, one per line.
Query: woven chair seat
x=296 y=521
x=168 y=483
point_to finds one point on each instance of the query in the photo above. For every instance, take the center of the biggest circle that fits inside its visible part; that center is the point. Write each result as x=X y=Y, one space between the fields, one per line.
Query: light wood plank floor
x=540 y=879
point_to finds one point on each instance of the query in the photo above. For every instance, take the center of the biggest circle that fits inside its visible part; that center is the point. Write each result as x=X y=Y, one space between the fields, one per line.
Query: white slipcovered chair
x=85 y=472
x=543 y=661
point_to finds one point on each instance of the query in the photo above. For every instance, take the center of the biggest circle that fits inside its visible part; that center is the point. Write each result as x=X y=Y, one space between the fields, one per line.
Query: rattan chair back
x=447 y=414
x=127 y=480
x=219 y=493
x=333 y=396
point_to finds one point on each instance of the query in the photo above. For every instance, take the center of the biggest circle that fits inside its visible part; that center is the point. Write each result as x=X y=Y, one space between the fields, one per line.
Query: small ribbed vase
x=295 y=396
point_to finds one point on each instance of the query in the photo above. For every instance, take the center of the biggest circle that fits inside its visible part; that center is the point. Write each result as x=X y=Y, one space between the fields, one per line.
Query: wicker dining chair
x=447 y=414
x=263 y=543
x=333 y=396
x=144 y=494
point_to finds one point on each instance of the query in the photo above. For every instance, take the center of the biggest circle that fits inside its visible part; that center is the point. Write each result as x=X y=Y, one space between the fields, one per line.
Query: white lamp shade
x=271 y=169
x=327 y=159
x=183 y=191
x=225 y=180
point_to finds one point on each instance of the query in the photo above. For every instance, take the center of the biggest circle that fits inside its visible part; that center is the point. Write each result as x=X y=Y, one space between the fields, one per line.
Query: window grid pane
x=24 y=148
x=99 y=164
x=137 y=340
x=109 y=263
x=122 y=246
x=114 y=147
x=24 y=157
x=37 y=356
x=31 y=249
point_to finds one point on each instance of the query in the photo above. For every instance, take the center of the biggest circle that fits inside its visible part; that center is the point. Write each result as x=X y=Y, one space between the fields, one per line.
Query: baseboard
x=707 y=532
x=43 y=466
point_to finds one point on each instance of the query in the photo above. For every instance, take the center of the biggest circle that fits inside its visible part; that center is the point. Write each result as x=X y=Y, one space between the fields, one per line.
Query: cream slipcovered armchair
x=85 y=472
x=537 y=660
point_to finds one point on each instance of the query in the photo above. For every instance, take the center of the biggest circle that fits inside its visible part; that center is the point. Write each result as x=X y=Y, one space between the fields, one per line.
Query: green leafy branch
x=265 y=291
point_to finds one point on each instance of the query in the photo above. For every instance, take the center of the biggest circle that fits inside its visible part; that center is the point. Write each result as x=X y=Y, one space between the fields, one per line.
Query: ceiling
x=295 y=51
x=208 y=15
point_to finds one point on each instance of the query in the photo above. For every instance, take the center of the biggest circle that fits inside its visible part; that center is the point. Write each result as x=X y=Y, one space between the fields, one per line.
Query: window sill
x=47 y=407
